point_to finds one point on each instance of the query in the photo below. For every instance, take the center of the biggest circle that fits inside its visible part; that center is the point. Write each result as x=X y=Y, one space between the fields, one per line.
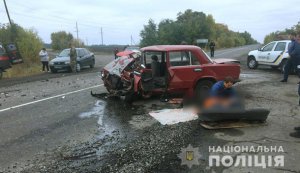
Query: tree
x=190 y=26
x=279 y=35
x=28 y=41
x=60 y=40
x=149 y=34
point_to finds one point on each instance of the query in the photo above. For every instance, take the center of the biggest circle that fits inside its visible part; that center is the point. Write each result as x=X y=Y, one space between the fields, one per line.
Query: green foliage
x=190 y=26
x=61 y=40
x=280 y=35
x=28 y=42
x=149 y=34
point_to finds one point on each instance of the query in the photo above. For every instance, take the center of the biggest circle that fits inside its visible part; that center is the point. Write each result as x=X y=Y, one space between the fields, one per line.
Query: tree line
x=190 y=26
x=282 y=35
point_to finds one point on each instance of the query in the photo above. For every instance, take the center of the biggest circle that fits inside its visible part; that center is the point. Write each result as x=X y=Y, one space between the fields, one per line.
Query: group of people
x=44 y=57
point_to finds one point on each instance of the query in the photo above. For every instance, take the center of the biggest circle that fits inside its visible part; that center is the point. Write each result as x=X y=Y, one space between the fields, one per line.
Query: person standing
x=291 y=62
x=296 y=54
x=73 y=58
x=212 y=48
x=44 y=59
x=116 y=52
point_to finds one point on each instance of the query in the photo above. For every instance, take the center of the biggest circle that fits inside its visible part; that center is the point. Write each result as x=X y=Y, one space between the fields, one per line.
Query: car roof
x=170 y=47
x=282 y=41
x=78 y=48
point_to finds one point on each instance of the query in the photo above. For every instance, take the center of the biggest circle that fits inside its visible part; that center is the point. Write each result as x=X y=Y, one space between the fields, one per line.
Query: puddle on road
x=97 y=111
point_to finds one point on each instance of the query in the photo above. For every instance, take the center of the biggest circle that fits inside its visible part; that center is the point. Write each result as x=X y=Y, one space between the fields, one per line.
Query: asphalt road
x=50 y=123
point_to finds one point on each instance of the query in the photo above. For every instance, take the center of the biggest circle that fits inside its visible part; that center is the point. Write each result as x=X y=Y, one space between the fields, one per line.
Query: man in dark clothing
x=116 y=52
x=155 y=66
x=212 y=48
x=296 y=53
x=291 y=62
x=73 y=58
x=223 y=88
x=223 y=95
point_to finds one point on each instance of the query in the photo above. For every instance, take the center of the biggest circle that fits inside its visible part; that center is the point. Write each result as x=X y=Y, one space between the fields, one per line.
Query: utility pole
x=131 y=40
x=7 y=12
x=101 y=36
x=77 y=31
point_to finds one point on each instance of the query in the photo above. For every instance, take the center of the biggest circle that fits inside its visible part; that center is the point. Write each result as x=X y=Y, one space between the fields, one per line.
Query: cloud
x=120 y=19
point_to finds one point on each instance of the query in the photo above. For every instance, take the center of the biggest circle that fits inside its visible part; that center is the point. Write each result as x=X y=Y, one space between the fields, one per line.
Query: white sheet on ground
x=174 y=116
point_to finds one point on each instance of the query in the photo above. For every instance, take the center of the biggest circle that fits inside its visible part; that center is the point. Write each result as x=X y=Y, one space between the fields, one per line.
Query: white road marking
x=60 y=95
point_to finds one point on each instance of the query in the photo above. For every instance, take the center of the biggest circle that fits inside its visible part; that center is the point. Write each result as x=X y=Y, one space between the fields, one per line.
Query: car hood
x=61 y=59
x=117 y=66
x=224 y=61
x=253 y=52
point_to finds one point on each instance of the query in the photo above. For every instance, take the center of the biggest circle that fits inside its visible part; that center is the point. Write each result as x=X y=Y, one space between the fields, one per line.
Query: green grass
x=23 y=70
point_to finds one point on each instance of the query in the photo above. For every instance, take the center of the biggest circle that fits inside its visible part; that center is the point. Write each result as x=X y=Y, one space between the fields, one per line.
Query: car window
x=80 y=52
x=64 y=53
x=280 y=46
x=11 y=47
x=86 y=52
x=268 y=47
x=147 y=58
x=183 y=58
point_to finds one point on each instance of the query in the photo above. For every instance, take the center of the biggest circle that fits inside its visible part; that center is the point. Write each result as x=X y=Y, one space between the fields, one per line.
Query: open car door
x=155 y=73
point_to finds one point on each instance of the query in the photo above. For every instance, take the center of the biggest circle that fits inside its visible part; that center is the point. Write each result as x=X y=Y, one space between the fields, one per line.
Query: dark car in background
x=4 y=61
x=85 y=58
x=13 y=53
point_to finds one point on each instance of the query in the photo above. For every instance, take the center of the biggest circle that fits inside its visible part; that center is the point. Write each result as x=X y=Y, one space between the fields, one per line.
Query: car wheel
x=92 y=65
x=78 y=67
x=274 y=67
x=252 y=63
x=282 y=65
x=53 y=71
x=1 y=73
x=202 y=90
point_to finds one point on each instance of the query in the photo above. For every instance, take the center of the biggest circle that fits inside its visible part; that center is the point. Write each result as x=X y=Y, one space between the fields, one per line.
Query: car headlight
x=51 y=63
x=67 y=62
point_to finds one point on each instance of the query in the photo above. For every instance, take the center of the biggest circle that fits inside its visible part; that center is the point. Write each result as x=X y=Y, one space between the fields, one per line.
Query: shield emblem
x=189 y=155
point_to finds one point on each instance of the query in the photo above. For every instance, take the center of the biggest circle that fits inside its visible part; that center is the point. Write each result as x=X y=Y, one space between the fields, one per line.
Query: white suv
x=274 y=54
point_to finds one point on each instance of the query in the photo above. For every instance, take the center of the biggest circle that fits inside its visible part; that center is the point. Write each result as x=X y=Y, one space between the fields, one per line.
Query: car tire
x=282 y=65
x=252 y=63
x=202 y=90
x=274 y=67
x=92 y=65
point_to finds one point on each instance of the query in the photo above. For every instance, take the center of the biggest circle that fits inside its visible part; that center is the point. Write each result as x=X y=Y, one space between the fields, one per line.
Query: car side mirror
x=260 y=49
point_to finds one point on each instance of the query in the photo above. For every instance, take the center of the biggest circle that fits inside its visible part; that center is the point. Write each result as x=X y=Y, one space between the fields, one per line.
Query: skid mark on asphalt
x=48 y=98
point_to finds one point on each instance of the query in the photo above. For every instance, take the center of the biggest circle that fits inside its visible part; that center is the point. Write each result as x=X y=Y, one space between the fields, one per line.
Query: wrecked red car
x=184 y=70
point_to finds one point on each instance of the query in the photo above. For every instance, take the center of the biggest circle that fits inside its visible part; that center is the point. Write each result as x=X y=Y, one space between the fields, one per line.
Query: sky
x=122 y=20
